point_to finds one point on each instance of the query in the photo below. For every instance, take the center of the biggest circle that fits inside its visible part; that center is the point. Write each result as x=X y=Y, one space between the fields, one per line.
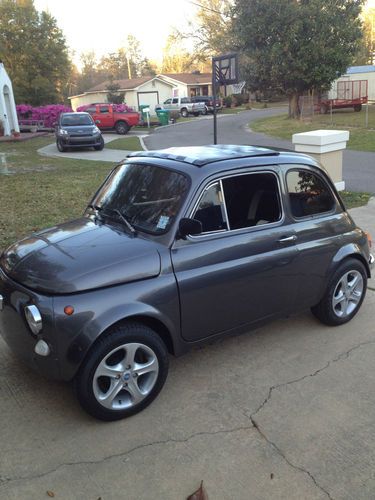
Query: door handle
x=288 y=239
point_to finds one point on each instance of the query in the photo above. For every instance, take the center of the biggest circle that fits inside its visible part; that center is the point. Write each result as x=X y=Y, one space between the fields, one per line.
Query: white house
x=8 y=113
x=357 y=73
x=149 y=90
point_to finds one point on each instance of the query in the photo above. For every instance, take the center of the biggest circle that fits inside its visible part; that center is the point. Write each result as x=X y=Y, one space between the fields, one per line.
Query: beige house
x=149 y=90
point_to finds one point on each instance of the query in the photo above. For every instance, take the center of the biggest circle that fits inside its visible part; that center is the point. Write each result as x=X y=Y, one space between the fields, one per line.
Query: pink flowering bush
x=47 y=114
x=118 y=108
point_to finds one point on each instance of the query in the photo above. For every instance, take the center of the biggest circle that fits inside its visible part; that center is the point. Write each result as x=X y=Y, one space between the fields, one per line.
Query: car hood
x=80 y=255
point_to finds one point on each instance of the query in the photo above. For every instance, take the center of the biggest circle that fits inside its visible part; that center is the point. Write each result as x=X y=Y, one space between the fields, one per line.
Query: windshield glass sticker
x=163 y=222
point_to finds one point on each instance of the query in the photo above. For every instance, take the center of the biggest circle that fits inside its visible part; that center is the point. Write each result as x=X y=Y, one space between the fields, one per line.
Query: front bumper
x=16 y=332
x=80 y=141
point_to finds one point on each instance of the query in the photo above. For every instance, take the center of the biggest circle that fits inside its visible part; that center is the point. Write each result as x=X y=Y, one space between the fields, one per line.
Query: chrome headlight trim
x=34 y=319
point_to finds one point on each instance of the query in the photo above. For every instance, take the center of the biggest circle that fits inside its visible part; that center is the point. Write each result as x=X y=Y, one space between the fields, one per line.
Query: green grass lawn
x=41 y=191
x=361 y=139
x=130 y=143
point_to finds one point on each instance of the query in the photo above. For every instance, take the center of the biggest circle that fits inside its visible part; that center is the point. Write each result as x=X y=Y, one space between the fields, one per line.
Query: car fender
x=96 y=326
x=349 y=250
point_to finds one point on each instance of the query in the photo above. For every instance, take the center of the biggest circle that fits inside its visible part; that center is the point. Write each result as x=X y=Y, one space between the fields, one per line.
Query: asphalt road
x=358 y=168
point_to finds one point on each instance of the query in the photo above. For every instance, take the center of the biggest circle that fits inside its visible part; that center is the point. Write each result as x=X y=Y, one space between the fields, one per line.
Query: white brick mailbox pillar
x=327 y=147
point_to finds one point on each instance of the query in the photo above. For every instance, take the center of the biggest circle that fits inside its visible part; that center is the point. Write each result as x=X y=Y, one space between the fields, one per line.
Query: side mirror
x=189 y=227
x=97 y=121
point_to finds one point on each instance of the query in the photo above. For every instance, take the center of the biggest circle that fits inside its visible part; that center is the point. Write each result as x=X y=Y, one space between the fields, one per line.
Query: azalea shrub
x=48 y=114
x=118 y=108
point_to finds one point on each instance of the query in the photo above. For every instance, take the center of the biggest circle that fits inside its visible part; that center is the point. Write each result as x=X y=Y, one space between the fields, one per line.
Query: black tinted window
x=252 y=200
x=149 y=197
x=308 y=193
x=104 y=109
x=211 y=211
x=76 y=120
x=91 y=109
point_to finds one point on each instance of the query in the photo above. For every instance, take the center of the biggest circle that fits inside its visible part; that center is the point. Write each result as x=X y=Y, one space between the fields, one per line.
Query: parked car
x=107 y=118
x=77 y=130
x=184 y=105
x=176 y=248
x=208 y=101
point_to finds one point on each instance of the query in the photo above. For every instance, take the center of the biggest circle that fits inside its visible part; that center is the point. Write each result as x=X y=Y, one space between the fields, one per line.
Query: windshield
x=148 y=196
x=76 y=120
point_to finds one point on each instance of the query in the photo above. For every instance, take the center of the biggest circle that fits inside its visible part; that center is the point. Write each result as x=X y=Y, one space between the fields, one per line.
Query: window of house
x=309 y=194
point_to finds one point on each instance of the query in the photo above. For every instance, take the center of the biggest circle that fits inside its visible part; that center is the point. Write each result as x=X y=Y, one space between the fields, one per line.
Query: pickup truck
x=106 y=117
x=184 y=106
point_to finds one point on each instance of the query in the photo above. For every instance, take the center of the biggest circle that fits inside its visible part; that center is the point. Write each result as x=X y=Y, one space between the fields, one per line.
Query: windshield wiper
x=103 y=211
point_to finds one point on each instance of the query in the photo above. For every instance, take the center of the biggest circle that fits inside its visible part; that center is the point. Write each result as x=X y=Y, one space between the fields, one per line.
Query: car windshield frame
x=172 y=201
x=87 y=117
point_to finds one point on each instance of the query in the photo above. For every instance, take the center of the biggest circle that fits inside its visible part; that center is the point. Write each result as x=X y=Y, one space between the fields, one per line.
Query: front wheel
x=123 y=373
x=122 y=128
x=344 y=294
x=60 y=146
x=100 y=146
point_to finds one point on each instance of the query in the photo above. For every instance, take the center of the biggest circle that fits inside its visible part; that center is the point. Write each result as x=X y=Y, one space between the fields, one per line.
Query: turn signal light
x=68 y=310
x=369 y=239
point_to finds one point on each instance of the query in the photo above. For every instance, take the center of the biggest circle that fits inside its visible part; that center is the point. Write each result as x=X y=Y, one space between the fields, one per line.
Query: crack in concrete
x=343 y=355
x=4 y=481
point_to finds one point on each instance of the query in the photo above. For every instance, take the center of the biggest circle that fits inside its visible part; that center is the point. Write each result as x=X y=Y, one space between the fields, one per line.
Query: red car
x=109 y=117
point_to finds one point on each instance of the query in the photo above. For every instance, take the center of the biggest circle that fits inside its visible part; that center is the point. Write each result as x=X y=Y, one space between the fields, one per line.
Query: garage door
x=149 y=98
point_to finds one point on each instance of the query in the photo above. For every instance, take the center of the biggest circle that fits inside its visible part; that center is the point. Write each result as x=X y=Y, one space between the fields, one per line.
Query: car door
x=105 y=116
x=167 y=104
x=319 y=222
x=240 y=269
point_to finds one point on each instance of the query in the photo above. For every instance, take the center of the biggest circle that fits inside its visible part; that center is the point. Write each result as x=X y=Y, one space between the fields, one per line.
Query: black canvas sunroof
x=202 y=155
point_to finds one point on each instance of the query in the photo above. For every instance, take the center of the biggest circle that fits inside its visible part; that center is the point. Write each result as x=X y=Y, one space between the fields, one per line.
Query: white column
x=327 y=147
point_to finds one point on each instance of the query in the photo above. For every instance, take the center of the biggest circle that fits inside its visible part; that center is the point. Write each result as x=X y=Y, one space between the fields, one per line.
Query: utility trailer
x=349 y=94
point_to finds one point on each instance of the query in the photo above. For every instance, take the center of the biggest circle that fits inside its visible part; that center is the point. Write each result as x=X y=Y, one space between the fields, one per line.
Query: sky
x=102 y=26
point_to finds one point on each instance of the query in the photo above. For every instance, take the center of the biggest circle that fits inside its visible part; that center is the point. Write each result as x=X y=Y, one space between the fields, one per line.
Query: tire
x=184 y=113
x=344 y=294
x=324 y=109
x=357 y=107
x=135 y=344
x=101 y=145
x=205 y=111
x=122 y=127
x=196 y=114
x=60 y=146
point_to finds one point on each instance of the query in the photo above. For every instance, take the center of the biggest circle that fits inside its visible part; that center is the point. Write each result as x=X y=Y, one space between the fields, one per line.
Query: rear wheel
x=122 y=128
x=344 y=295
x=184 y=113
x=100 y=146
x=60 y=146
x=358 y=107
x=205 y=111
x=123 y=373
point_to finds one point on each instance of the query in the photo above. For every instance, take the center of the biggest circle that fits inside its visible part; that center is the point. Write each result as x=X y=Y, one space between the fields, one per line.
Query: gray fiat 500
x=178 y=247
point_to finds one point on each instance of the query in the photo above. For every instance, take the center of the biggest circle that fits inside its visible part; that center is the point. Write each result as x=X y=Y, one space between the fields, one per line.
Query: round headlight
x=33 y=318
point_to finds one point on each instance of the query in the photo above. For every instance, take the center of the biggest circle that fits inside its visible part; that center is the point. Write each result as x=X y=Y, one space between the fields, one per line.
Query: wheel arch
x=351 y=251
x=80 y=348
x=122 y=120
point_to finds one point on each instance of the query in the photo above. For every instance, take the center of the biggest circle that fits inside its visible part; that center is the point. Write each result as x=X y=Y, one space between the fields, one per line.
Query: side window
x=210 y=210
x=185 y=100
x=92 y=109
x=104 y=109
x=175 y=100
x=252 y=200
x=168 y=101
x=309 y=194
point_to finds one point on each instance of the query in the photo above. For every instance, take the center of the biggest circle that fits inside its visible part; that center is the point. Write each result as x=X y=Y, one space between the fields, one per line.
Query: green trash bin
x=163 y=115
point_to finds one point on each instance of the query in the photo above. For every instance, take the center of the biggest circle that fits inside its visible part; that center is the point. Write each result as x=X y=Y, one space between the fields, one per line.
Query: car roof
x=204 y=155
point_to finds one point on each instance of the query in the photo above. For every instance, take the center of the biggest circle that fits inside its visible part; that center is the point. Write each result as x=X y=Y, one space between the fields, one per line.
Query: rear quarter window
x=309 y=194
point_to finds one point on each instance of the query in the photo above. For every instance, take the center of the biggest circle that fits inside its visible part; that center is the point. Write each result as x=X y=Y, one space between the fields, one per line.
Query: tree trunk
x=294 y=109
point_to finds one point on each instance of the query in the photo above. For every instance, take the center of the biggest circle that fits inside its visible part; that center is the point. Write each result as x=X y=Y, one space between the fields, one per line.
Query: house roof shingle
x=123 y=84
x=190 y=78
